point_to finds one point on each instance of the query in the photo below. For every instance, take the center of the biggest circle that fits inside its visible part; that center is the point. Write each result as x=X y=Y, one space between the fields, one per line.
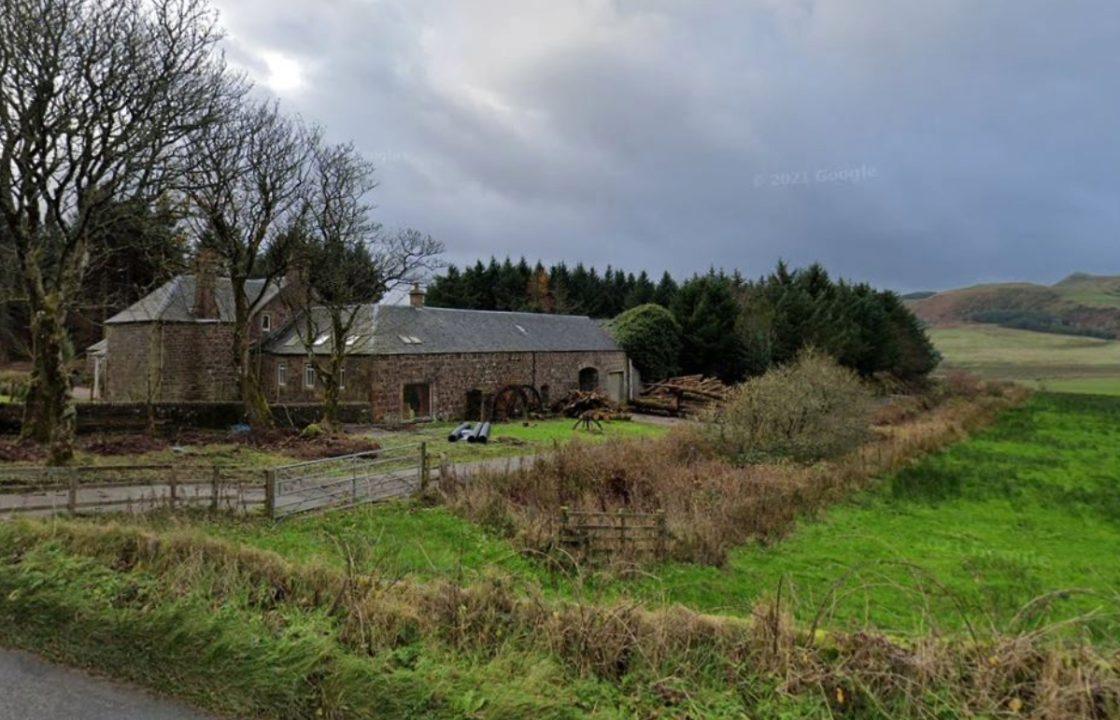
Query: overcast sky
x=912 y=143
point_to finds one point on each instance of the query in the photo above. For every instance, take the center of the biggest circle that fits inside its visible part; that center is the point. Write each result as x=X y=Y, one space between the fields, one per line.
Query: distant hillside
x=1081 y=304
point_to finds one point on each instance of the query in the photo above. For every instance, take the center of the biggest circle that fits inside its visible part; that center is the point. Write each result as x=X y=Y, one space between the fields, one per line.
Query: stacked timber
x=576 y=402
x=686 y=395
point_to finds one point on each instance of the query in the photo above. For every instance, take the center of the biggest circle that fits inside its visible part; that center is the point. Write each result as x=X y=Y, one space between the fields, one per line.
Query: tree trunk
x=331 y=393
x=253 y=399
x=49 y=414
x=249 y=387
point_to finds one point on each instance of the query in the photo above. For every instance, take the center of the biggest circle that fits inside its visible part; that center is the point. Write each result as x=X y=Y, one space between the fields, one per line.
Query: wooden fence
x=587 y=534
x=100 y=488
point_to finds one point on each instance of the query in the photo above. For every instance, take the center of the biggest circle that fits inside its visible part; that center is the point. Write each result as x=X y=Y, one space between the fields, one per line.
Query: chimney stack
x=205 y=281
x=416 y=296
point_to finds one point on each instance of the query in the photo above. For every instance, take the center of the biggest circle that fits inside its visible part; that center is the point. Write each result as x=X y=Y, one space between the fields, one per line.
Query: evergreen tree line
x=728 y=326
x=557 y=289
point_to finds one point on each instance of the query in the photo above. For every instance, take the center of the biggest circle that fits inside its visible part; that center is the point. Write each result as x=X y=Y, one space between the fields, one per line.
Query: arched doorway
x=588 y=379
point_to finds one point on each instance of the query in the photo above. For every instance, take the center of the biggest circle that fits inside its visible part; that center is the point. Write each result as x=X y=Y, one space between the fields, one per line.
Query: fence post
x=270 y=493
x=621 y=530
x=423 y=467
x=215 y=487
x=662 y=535
x=72 y=493
x=443 y=471
x=172 y=488
x=564 y=533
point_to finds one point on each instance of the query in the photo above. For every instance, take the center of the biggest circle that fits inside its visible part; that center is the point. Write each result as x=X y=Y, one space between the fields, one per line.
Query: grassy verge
x=972 y=535
x=248 y=633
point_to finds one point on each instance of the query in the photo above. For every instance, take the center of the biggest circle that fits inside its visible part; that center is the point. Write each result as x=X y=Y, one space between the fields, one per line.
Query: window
x=309 y=376
x=282 y=374
x=588 y=379
x=266 y=322
x=410 y=339
x=342 y=378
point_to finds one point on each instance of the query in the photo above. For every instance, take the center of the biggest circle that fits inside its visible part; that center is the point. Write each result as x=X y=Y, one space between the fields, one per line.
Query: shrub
x=14 y=384
x=651 y=336
x=312 y=432
x=710 y=505
x=807 y=410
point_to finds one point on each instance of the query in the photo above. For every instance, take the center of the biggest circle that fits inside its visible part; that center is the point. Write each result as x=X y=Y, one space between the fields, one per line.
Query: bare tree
x=96 y=98
x=344 y=263
x=247 y=193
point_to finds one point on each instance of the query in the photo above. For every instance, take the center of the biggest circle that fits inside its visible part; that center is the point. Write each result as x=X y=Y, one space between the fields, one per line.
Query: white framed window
x=281 y=374
x=266 y=322
x=342 y=378
x=309 y=376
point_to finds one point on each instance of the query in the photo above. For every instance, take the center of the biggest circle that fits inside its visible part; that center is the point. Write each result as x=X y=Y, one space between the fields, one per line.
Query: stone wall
x=169 y=362
x=380 y=380
x=172 y=417
x=129 y=347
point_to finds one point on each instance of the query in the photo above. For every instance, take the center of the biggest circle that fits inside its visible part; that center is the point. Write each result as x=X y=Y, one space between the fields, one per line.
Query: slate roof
x=405 y=330
x=172 y=301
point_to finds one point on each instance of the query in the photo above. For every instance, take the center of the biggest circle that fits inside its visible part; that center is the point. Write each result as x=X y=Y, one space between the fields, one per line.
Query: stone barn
x=405 y=361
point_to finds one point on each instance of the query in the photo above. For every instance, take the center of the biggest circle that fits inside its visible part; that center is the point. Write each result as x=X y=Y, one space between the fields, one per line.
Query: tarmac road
x=34 y=689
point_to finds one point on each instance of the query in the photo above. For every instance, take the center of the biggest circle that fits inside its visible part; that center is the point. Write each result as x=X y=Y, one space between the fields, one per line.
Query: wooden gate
x=347 y=480
x=586 y=534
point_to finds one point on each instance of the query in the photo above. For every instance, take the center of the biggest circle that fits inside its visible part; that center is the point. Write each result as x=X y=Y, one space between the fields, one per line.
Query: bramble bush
x=810 y=409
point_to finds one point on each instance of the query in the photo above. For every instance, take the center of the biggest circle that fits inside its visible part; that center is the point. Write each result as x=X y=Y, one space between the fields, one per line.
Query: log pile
x=577 y=402
x=686 y=395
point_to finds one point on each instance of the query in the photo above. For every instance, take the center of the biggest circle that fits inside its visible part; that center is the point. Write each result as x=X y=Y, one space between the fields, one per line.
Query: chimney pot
x=416 y=296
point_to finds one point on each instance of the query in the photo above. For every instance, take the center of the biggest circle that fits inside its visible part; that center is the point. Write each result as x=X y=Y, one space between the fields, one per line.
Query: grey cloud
x=635 y=133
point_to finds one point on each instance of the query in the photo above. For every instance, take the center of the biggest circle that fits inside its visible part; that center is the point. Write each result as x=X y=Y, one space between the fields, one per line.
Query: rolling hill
x=1080 y=304
x=1059 y=337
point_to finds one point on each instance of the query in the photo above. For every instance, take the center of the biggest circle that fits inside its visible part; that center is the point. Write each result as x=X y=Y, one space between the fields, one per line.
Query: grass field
x=966 y=536
x=972 y=534
x=1027 y=510
x=1058 y=363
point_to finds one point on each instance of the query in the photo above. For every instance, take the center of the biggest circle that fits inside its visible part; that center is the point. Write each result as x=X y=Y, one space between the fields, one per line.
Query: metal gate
x=347 y=480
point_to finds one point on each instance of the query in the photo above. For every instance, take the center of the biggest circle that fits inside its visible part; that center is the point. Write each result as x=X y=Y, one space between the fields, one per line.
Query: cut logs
x=576 y=402
x=684 y=395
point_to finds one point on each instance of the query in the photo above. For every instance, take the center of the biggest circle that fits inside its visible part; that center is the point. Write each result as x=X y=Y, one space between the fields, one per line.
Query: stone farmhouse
x=405 y=361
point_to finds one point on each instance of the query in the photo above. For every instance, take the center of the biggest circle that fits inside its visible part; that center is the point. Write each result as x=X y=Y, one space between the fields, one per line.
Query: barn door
x=418 y=400
x=615 y=387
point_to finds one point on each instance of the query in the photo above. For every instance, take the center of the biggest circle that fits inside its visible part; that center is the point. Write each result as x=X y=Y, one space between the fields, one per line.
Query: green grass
x=1092 y=290
x=396 y=539
x=506 y=440
x=969 y=535
x=1061 y=363
x=965 y=537
x=519 y=437
x=213 y=642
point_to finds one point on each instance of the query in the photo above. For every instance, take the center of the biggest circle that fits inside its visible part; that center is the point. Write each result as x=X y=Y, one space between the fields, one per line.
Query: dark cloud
x=913 y=144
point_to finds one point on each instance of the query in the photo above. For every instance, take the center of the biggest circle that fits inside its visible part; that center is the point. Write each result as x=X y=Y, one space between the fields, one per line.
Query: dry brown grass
x=710 y=504
x=1030 y=675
